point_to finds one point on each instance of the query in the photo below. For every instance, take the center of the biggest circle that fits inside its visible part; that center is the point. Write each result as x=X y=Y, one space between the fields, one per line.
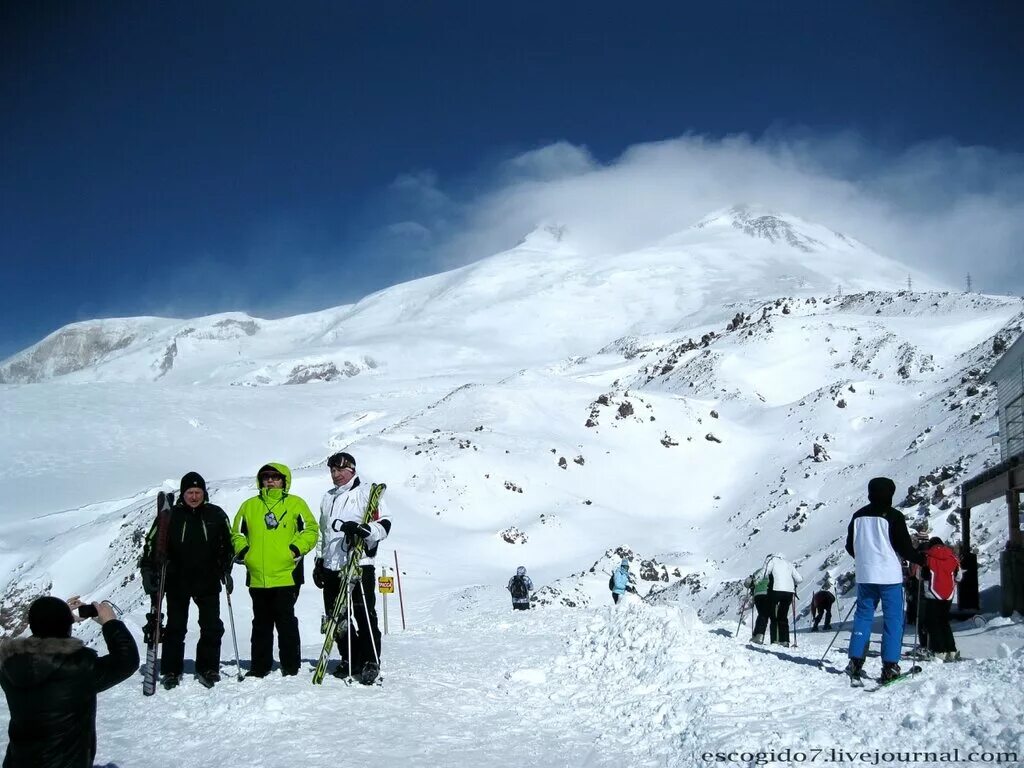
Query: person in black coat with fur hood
x=51 y=680
x=199 y=555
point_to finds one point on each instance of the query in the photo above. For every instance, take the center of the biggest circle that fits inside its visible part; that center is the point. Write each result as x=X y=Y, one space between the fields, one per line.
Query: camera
x=87 y=611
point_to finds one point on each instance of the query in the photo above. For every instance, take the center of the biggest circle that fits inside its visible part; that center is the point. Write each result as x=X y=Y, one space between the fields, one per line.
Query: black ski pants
x=821 y=605
x=364 y=637
x=211 y=630
x=763 y=605
x=778 y=617
x=935 y=619
x=274 y=607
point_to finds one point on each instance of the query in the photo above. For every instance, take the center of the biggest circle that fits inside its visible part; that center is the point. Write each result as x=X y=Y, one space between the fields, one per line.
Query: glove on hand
x=240 y=557
x=229 y=583
x=319 y=573
x=352 y=528
x=296 y=555
x=150 y=581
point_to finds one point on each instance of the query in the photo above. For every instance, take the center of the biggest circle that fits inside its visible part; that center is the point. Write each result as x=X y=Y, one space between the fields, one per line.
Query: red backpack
x=942 y=569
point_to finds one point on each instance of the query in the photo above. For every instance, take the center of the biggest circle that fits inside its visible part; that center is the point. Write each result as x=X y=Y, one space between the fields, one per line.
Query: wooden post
x=384 y=599
x=1013 y=509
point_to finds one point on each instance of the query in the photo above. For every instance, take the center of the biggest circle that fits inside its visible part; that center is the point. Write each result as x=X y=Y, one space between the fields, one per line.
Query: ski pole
x=847 y=618
x=917 y=624
x=794 y=619
x=743 y=610
x=234 y=636
x=369 y=627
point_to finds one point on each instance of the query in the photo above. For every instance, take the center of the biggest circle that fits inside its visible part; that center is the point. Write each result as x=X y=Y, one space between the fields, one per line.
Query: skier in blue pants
x=877 y=538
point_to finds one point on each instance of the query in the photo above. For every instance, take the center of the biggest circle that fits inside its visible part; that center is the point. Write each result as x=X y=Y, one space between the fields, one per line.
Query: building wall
x=1010 y=384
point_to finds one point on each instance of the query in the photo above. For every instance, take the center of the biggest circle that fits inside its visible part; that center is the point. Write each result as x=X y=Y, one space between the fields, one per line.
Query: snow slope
x=694 y=405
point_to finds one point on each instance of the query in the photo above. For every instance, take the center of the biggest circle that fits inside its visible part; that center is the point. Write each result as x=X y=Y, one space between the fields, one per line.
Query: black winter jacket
x=51 y=685
x=199 y=550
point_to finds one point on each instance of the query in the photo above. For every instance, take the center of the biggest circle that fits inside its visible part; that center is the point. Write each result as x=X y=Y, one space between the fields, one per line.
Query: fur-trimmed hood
x=30 y=661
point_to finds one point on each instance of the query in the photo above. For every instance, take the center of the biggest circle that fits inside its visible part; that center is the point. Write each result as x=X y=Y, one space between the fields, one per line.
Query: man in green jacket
x=271 y=533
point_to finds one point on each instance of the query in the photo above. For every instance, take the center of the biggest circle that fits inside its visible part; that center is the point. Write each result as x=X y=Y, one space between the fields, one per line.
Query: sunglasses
x=271 y=476
x=340 y=467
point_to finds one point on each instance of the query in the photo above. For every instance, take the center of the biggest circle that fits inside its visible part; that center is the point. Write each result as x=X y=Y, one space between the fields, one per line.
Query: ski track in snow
x=627 y=685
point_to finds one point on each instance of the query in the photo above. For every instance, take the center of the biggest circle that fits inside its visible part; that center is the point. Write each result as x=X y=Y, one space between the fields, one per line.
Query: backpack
x=519 y=590
x=761 y=585
x=942 y=571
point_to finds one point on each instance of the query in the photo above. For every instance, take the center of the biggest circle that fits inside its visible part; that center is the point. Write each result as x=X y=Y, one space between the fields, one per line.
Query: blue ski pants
x=868 y=597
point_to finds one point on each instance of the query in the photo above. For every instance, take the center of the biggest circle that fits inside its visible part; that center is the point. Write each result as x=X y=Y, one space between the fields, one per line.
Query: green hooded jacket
x=270 y=552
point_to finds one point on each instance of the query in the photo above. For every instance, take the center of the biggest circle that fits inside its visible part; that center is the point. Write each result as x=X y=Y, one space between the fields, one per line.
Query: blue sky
x=191 y=157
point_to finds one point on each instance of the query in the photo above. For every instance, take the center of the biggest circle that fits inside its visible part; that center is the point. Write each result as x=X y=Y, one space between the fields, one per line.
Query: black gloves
x=240 y=557
x=352 y=528
x=150 y=581
x=296 y=555
x=319 y=573
x=229 y=583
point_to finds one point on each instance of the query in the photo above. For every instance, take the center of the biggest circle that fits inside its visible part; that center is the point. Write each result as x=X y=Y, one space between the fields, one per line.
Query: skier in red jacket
x=940 y=575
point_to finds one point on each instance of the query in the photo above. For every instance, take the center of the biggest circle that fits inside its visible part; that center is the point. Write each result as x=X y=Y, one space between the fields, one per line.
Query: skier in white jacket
x=782 y=580
x=341 y=523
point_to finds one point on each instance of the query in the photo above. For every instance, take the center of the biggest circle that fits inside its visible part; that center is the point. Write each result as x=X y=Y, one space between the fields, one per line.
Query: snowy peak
x=759 y=222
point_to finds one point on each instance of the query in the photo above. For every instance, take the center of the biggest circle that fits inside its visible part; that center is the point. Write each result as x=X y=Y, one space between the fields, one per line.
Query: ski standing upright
x=164 y=502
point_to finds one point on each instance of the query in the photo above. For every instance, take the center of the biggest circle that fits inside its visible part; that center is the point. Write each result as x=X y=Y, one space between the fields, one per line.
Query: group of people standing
x=879 y=541
x=773 y=588
x=271 y=534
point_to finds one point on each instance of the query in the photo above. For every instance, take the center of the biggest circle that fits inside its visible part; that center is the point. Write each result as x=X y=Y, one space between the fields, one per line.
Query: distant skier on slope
x=199 y=558
x=877 y=538
x=821 y=604
x=341 y=521
x=619 y=581
x=520 y=586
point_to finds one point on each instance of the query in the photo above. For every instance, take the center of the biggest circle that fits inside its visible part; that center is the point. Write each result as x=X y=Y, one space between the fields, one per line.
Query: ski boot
x=890 y=672
x=758 y=639
x=855 y=670
x=369 y=673
x=208 y=679
x=170 y=680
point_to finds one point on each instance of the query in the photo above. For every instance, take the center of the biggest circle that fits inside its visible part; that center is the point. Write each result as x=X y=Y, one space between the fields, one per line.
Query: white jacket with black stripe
x=343 y=503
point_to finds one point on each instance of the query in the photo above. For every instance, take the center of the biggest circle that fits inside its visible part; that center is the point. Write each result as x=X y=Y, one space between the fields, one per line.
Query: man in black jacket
x=51 y=680
x=199 y=557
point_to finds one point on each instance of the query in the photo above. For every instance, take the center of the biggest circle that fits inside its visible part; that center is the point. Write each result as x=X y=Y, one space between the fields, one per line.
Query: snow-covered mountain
x=696 y=404
x=542 y=300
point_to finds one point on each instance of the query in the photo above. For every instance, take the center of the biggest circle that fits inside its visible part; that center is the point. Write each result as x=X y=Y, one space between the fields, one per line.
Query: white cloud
x=939 y=207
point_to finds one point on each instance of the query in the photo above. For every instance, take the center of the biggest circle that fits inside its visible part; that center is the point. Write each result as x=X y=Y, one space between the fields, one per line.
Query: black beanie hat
x=50 y=617
x=881 y=490
x=193 y=480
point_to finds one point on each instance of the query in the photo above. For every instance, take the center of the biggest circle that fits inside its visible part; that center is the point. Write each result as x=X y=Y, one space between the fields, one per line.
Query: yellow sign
x=386 y=585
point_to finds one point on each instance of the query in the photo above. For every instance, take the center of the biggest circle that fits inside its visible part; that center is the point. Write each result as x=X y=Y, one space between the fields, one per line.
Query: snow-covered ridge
x=502 y=308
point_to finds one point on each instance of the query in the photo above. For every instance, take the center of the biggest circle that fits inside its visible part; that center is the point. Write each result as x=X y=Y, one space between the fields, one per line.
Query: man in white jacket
x=341 y=523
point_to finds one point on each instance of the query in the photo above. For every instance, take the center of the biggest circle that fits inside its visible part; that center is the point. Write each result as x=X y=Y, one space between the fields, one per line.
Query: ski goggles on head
x=271 y=521
x=341 y=460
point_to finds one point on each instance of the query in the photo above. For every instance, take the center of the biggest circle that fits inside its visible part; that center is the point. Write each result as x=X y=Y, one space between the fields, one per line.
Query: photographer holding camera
x=51 y=680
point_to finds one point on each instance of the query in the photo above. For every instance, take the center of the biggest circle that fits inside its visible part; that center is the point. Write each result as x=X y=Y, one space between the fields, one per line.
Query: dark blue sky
x=196 y=157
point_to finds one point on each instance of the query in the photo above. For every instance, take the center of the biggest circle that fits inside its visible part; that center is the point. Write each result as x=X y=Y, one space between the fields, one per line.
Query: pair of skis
x=164 y=502
x=857 y=682
x=350 y=574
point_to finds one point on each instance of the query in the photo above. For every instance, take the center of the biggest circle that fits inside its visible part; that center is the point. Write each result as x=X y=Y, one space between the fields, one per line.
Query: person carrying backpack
x=619 y=580
x=520 y=586
x=821 y=604
x=939 y=575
